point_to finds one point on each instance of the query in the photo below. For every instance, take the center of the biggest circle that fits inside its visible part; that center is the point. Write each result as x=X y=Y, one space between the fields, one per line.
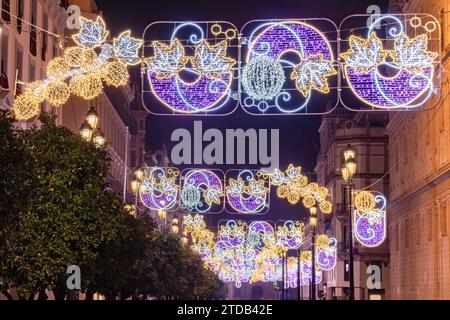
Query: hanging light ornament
x=81 y=69
x=57 y=93
x=326 y=207
x=87 y=86
x=115 y=74
x=263 y=78
x=365 y=201
x=57 y=68
x=25 y=108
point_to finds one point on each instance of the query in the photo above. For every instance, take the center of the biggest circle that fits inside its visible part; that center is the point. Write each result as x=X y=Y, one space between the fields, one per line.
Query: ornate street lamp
x=348 y=171
x=92 y=117
x=86 y=131
x=99 y=138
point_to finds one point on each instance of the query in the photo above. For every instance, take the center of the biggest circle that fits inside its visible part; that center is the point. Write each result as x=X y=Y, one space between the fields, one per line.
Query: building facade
x=366 y=133
x=25 y=49
x=419 y=149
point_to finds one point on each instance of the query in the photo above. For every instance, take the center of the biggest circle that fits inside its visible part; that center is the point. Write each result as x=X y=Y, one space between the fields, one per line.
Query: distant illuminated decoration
x=370 y=223
x=281 y=50
x=326 y=255
x=202 y=191
x=290 y=234
x=159 y=188
x=401 y=77
x=190 y=73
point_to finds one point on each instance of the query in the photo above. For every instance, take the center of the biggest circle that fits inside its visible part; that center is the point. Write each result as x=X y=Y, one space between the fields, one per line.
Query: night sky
x=299 y=141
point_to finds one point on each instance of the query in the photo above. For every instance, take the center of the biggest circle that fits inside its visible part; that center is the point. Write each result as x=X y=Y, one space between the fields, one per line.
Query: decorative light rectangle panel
x=289 y=66
x=192 y=70
x=390 y=62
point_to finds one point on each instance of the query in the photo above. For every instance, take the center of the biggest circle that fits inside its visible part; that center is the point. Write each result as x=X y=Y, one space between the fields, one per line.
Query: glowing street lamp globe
x=86 y=131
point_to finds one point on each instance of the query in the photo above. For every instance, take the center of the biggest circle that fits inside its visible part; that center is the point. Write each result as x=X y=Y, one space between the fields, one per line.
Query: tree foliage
x=57 y=210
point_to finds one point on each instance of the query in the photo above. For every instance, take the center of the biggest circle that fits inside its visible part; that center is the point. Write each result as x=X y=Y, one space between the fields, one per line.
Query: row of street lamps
x=89 y=130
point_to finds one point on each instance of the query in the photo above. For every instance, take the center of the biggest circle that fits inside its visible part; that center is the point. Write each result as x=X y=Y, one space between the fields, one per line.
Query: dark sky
x=298 y=134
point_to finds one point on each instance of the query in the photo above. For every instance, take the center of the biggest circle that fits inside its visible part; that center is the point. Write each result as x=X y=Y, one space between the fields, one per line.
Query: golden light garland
x=322 y=241
x=309 y=202
x=82 y=69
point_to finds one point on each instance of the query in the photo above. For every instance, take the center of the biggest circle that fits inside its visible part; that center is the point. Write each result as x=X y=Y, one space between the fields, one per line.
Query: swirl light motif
x=210 y=66
x=202 y=191
x=232 y=233
x=371 y=226
x=159 y=188
x=290 y=234
x=269 y=43
x=306 y=270
x=411 y=66
x=247 y=194
x=326 y=255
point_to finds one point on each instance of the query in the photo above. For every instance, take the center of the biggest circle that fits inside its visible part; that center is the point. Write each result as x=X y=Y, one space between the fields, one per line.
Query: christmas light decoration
x=211 y=69
x=263 y=78
x=267 y=63
x=290 y=234
x=202 y=192
x=159 y=188
x=247 y=194
x=370 y=224
x=326 y=252
x=312 y=74
x=81 y=69
x=412 y=65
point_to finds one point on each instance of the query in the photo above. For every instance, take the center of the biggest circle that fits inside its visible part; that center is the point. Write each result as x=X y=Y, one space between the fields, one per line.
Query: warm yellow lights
x=139 y=174
x=351 y=167
x=57 y=93
x=175 y=229
x=92 y=117
x=365 y=201
x=99 y=138
x=309 y=202
x=322 y=241
x=326 y=207
x=175 y=221
x=115 y=74
x=57 y=68
x=25 y=108
x=134 y=186
x=345 y=174
x=86 y=131
x=87 y=86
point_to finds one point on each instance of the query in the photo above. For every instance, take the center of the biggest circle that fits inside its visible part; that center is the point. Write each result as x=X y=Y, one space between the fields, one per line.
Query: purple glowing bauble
x=306 y=273
x=162 y=201
x=326 y=259
x=370 y=235
x=278 y=38
x=400 y=91
x=198 y=96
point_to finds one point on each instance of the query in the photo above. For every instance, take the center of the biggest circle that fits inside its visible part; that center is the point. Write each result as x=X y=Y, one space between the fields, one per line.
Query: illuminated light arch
x=411 y=83
x=159 y=188
x=211 y=69
x=370 y=225
x=326 y=255
x=290 y=234
x=272 y=40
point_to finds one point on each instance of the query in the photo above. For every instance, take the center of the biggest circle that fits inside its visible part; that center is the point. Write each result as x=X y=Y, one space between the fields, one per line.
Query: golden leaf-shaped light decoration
x=211 y=60
x=168 y=60
x=365 y=55
x=312 y=74
x=413 y=54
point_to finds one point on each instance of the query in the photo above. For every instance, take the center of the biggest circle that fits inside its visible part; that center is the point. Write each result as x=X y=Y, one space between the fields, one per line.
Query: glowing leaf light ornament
x=247 y=194
x=410 y=81
x=370 y=221
x=82 y=69
x=209 y=65
x=160 y=188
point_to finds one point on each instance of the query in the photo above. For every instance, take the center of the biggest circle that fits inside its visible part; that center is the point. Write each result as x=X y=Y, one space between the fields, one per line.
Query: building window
x=4 y=64
x=33 y=34
x=44 y=38
x=19 y=15
x=19 y=64
x=6 y=6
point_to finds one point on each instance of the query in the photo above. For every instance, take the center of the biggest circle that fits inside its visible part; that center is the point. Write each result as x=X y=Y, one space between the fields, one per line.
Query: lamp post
x=313 y=223
x=299 y=276
x=348 y=171
x=89 y=130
